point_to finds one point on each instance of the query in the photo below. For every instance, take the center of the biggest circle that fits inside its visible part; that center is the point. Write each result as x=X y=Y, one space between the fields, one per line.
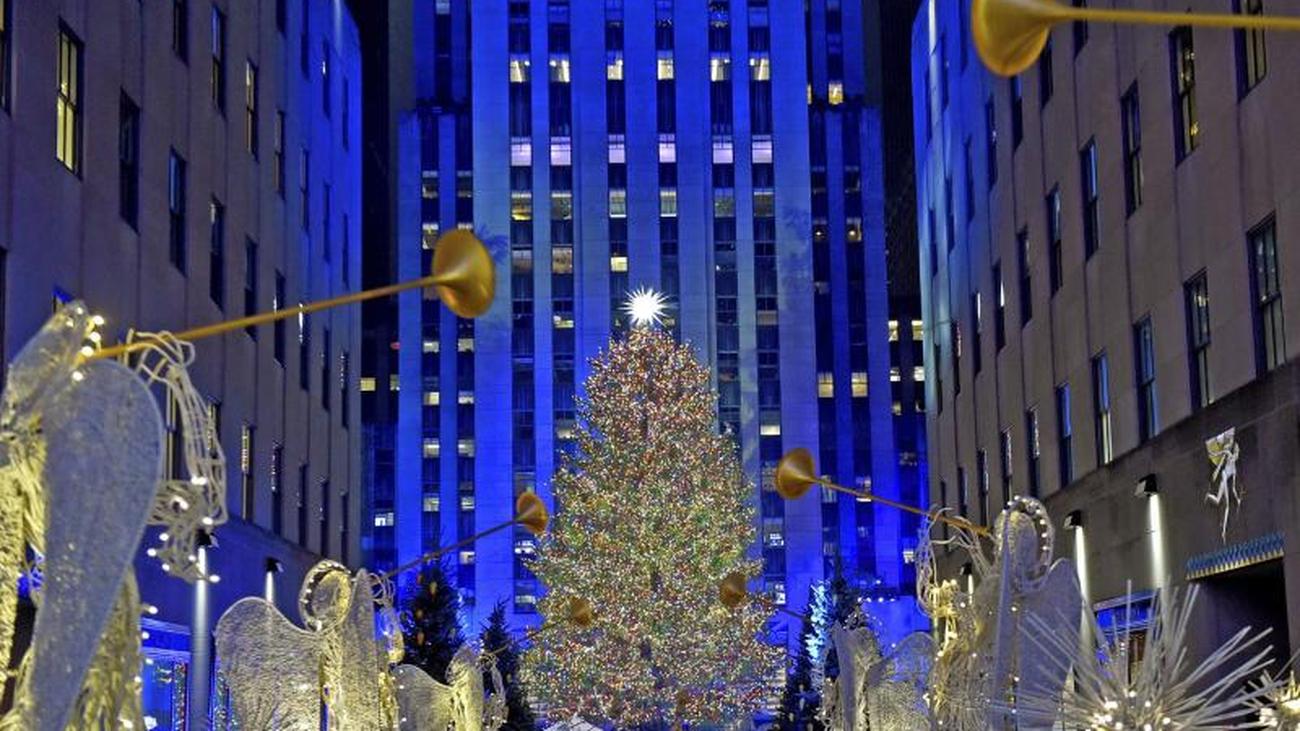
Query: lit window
x=719 y=67
x=835 y=92
x=617 y=203
x=617 y=149
x=466 y=558
x=466 y=502
x=825 y=385
x=897 y=408
x=772 y=429
x=895 y=374
x=465 y=447
x=429 y=184
x=667 y=148
x=68 y=133
x=775 y=539
x=764 y=203
x=762 y=149
x=723 y=152
x=521 y=205
x=893 y=331
x=432 y=504
x=521 y=152
x=724 y=204
x=367 y=384
x=614 y=66
x=519 y=66
x=760 y=68
x=429 y=345
x=428 y=235
x=562 y=322
x=561 y=259
x=668 y=202
x=432 y=448
x=560 y=69
x=858 y=384
x=918 y=330
x=464 y=398
x=384 y=519
x=618 y=263
x=853 y=229
x=665 y=66
x=918 y=374
x=465 y=345
x=432 y=398
x=393 y=383
x=561 y=151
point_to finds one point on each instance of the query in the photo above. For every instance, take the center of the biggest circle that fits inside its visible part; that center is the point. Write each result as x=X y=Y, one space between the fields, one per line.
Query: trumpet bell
x=464 y=275
x=530 y=512
x=1010 y=34
x=731 y=590
x=794 y=474
x=580 y=613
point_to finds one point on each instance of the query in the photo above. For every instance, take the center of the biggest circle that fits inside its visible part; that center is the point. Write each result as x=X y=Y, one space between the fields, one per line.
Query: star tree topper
x=645 y=307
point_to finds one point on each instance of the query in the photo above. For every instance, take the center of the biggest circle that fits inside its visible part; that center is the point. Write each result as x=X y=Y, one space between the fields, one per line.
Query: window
x=176 y=210
x=950 y=228
x=324 y=516
x=943 y=502
x=277 y=170
x=277 y=327
x=954 y=343
x=977 y=330
x=1080 y=30
x=346 y=128
x=345 y=386
x=304 y=351
x=281 y=15
x=1091 y=194
x=1266 y=290
x=302 y=507
x=247 y=456
x=304 y=187
x=1026 y=281
x=1045 y=85
x=4 y=53
x=968 y=169
x=1131 y=115
x=218 y=59
x=128 y=159
x=277 y=489
x=1101 y=408
x=68 y=135
x=250 y=108
x=1064 y=436
x=326 y=98
x=1031 y=450
x=217 y=255
x=1196 y=296
x=1252 y=60
x=1017 y=112
x=304 y=33
x=1055 y=258
x=982 y=475
x=999 y=308
x=250 y=284
x=1004 y=456
x=326 y=354
x=991 y=141
x=1144 y=356
x=1182 y=62
x=181 y=29
x=963 y=493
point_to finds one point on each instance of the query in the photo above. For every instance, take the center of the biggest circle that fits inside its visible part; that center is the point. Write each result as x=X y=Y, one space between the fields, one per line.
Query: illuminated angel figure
x=459 y=704
x=874 y=689
x=1223 y=451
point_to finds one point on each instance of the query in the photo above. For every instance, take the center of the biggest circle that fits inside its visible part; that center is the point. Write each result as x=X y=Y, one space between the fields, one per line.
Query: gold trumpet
x=795 y=474
x=463 y=277
x=1010 y=34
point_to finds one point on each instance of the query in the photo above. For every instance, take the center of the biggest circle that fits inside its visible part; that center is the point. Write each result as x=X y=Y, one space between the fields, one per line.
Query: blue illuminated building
x=729 y=154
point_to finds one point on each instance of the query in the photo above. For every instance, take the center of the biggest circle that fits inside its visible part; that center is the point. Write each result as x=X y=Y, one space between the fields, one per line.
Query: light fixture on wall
x=1146 y=486
x=1074 y=519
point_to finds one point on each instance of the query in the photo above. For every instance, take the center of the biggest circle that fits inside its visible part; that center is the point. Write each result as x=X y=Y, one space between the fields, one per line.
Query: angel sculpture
x=985 y=661
x=874 y=690
x=81 y=440
x=1223 y=452
x=284 y=677
x=458 y=705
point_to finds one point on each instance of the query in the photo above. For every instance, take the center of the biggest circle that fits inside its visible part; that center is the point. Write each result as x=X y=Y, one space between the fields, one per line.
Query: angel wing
x=272 y=667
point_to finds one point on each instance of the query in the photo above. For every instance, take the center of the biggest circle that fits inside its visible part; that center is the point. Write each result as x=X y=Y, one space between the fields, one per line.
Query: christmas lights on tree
x=654 y=511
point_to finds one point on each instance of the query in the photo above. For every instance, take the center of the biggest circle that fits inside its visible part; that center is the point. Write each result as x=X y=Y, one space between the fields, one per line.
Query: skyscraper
x=727 y=154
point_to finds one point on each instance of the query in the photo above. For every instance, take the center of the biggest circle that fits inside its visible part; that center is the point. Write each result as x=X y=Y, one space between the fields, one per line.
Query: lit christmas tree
x=654 y=511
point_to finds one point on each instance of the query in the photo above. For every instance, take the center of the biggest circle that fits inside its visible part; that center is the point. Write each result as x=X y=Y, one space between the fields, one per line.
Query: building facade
x=178 y=164
x=1104 y=291
x=727 y=154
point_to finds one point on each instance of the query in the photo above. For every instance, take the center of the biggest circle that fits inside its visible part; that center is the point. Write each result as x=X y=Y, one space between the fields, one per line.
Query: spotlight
x=1074 y=519
x=1146 y=486
x=274 y=565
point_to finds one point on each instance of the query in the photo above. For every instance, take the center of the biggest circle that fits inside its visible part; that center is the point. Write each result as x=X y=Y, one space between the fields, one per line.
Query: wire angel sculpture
x=284 y=677
x=982 y=663
x=81 y=471
x=428 y=705
x=874 y=689
x=1161 y=689
x=1279 y=706
x=1223 y=452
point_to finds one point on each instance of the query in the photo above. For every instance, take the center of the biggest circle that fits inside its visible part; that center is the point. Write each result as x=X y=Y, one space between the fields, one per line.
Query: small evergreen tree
x=496 y=638
x=800 y=701
x=430 y=623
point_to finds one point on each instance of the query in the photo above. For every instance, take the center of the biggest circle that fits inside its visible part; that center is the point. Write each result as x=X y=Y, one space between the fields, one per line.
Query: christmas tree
x=430 y=626
x=801 y=698
x=655 y=511
x=498 y=640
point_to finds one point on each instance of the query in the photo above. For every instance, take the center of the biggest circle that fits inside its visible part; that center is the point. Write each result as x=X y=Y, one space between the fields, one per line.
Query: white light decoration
x=645 y=307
